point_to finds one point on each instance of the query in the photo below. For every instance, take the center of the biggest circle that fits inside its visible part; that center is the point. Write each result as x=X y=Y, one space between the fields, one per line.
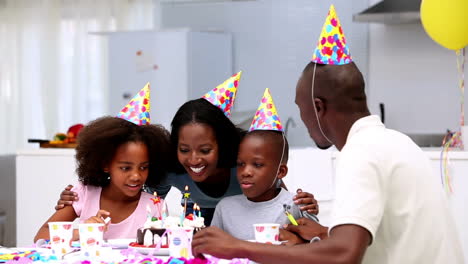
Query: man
x=389 y=206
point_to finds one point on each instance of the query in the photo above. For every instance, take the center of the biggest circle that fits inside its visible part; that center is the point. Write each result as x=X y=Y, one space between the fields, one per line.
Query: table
x=109 y=255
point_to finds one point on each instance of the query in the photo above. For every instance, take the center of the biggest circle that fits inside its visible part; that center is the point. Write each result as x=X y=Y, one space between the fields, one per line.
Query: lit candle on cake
x=194 y=211
x=186 y=197
x=157 y=202
x=199 y=212
x=156 y=198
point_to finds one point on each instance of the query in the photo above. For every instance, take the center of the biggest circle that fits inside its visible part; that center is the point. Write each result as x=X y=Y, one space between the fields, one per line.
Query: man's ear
x=319 y=106
x=283 y=170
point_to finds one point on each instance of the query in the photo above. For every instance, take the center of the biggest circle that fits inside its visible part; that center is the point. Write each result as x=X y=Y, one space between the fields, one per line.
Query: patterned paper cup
x=180 y=242
x=91 y=237
x=266 y=233
x=61 y=234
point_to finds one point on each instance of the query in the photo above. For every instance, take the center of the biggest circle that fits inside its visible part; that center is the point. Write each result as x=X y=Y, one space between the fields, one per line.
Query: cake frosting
x=153 y=229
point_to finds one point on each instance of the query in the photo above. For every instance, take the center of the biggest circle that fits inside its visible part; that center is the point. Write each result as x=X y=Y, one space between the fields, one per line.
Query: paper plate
x=119 y=242
x=147 y=250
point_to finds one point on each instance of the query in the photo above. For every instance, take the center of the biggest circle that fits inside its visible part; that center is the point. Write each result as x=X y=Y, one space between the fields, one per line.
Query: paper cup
x=61 y=234
x=180 y=242
x=91 y=238
x=266 y=233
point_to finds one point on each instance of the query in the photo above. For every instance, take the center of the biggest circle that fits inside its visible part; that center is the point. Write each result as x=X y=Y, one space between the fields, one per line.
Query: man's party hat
x=331 y=47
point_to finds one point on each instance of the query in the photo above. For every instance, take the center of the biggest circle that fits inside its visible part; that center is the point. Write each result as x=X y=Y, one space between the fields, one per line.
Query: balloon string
x=461 y=59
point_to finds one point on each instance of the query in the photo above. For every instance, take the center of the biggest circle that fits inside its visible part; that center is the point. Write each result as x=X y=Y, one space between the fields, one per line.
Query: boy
x=261 y=162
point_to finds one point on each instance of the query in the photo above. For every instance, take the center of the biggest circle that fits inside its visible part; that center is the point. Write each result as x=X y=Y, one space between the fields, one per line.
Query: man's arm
x=346 y=244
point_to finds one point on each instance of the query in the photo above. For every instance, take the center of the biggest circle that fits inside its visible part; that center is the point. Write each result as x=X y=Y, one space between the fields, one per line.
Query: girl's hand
x=306 y=202
x=99 y=218
x=66 y=198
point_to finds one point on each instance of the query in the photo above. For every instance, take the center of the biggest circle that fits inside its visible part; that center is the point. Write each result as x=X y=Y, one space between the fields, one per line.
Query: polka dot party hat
x=137 y=110
x=266 y=117
x=331 y=47
x=223 y=95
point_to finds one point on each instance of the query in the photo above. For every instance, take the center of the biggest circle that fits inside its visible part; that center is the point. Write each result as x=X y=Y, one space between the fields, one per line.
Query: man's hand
x=66 y=198
x=308 y=202
x=215 y=242
x=308 y=229
x=291 y=238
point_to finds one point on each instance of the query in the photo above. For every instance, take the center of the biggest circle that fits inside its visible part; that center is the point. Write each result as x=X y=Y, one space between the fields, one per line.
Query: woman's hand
x=306 y=202
x=99 y=218
x=66 y=198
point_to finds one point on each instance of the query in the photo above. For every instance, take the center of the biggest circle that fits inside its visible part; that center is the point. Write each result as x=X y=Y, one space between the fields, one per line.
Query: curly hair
x=202 y=111
x=98 y=142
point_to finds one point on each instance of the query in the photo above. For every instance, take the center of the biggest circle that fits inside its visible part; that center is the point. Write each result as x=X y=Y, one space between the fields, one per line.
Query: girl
x=115 y=158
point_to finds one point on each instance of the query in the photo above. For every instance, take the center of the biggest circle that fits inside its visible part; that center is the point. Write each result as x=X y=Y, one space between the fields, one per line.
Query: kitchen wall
x=273 y=41
x=414 y=77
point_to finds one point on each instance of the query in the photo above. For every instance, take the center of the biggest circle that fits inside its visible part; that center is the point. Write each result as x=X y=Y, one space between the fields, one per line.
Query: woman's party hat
x=331 y=47
x=266 y=117
x=224 y=94
x=137 y=110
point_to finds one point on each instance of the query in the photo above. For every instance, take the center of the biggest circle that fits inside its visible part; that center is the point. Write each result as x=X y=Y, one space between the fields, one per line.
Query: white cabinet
x=41 y=175
x=180 y=65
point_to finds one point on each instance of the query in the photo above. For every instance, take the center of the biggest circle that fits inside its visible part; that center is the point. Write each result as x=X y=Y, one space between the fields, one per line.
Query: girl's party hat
x=224 y=94
x=266 y=117
x=137 y=110
x=331 y=47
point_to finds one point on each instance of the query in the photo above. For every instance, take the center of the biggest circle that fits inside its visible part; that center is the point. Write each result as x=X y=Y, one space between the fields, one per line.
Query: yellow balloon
x=446 y=22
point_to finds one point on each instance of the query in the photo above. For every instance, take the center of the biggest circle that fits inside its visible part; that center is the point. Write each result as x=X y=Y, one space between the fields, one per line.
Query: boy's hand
x=308 y=202
x=66 y=198
x=99 y=218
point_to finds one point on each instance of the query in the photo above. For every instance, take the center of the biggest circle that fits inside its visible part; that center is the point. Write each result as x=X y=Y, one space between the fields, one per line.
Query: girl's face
x=129 y=169
x=197 y=151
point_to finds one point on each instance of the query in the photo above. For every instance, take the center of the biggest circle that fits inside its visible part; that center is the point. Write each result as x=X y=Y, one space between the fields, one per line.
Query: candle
x=194 y=211
x=148 y=212
x=199 y=212
x=164 y=212
x=156 y=198
x=186 y=197
x=182 y=216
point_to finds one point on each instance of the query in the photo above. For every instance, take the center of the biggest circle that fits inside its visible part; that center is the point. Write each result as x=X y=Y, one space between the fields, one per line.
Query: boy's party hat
x=331 y=47
x=223 y=95
x=137 y=110
x=266 y=117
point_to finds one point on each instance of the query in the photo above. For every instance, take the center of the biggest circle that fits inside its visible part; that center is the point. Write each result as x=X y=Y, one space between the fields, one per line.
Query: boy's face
x=257 y=165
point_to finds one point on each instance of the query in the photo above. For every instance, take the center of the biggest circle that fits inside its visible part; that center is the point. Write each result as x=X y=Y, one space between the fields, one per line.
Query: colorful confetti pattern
x=137 y=110
x=266 y=117
x=331 y=47
x=223 y=95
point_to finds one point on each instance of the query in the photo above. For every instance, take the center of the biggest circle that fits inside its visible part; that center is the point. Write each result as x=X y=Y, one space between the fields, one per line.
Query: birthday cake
x=153 y=230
